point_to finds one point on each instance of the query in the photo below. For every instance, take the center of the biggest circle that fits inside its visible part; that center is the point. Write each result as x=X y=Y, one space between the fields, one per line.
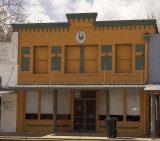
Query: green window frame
x=56 y=49
x=25 y=63
x=25 y=50
x=106 y=62
x=56 y=63
x=140 y=62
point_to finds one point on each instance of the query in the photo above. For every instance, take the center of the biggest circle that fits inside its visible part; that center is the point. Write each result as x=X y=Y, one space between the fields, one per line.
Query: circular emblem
x=80 y=36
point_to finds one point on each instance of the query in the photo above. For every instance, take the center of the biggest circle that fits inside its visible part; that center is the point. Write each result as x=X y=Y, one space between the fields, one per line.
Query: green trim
x=25 y=50
x=81 y=16
x=140 y=48
x=140 y=62
x=106 y=48
x=63 y=125
x=81 y=59
x=28 y=125
x=125 y=23
x=25 y=63
x=127 y=127
x=107 y=104
x=55 y=112
x=146 y=37
x=56 y=49
x=40 y=25
x=106 y=62
x=56 y=63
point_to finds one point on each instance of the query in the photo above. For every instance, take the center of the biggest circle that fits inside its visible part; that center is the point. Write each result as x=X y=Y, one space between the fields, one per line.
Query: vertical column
x=124 y=105
x=157 y=108
x=72 y=109
x=55 y=111
x=146 y=36
x=107 y=104
x=153 y=116
x=39 y=104
x=97 y=111
x=81 y=59
x=20 y=110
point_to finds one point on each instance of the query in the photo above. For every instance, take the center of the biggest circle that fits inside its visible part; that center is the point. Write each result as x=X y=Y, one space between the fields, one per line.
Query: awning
x=5 y=92
x=153 y=88
x=77 y=86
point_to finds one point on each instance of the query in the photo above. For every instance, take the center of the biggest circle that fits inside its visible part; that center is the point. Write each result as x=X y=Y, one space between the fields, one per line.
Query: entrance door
x=85 y=111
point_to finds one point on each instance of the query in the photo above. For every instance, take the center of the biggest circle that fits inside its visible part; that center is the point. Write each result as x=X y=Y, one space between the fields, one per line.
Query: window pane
x=47 y=104
x=31 y=104
x=133 y=105
x=116 y=104
x=124 y=58
x=102 y=104
x=63 y=104
x=41 y=60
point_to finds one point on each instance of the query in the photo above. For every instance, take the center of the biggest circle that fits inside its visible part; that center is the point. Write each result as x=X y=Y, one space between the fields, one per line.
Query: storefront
x=73 y=75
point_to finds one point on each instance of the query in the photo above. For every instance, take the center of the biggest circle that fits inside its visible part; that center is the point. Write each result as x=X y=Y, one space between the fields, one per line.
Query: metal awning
x=153 y=88
x=5 y=92
x=77 y=86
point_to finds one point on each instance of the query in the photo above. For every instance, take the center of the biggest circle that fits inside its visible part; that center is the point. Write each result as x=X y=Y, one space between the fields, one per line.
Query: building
x=153 y=88
x=8 y=75
x=73 y=75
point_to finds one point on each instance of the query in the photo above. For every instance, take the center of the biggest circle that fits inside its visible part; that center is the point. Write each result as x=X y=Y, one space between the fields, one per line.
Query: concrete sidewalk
x=69 y=136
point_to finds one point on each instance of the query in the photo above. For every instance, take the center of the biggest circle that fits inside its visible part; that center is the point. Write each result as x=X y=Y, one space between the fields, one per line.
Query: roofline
x=139 y=22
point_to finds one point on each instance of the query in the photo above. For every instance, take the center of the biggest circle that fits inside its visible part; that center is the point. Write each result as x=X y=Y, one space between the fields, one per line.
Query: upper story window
x=41 y=60
x=124 y=58
x=81 y=59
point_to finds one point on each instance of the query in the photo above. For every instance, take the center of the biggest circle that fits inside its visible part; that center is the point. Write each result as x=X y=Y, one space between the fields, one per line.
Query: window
x=31 y=104
x=124 y=58
x=63 y=104
x=116 y=104
x=41 y=60
x=81 y=59
x=133 y=105
x=46 y=104
x=102 y=104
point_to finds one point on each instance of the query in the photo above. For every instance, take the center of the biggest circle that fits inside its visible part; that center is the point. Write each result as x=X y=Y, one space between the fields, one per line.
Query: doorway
x=85 y=111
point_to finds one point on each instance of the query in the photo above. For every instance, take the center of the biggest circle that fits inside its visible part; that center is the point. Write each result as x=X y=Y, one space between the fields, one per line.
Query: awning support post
x=157 y=108
x=153 y=133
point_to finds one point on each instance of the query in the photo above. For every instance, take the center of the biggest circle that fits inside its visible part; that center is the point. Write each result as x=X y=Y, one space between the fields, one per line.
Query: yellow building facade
x=74 y=75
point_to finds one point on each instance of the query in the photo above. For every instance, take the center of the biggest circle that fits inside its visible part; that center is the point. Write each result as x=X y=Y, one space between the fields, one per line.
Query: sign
x=80 y=36
x=77 y=94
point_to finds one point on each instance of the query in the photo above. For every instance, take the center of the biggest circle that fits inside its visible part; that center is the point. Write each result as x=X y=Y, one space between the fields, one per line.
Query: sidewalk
x=69 y=136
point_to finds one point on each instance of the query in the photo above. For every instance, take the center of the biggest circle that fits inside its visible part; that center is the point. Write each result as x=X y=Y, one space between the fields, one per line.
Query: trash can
x=111 y=127
x=114 y=127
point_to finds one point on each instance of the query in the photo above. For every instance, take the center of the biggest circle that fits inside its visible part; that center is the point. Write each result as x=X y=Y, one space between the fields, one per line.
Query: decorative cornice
x=82 y=16
x=146 y=37
x=146 y=22
x=40 y=25
x=125 y=23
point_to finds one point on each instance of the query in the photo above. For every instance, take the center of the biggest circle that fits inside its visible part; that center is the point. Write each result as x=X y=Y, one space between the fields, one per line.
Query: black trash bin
x=111 y=127
x=114 y=127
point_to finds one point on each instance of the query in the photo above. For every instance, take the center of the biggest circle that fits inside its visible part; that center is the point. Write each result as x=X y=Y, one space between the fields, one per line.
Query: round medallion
x=80 y=36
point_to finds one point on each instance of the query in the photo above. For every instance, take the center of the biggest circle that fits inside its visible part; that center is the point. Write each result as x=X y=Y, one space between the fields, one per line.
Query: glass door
x=85 y=112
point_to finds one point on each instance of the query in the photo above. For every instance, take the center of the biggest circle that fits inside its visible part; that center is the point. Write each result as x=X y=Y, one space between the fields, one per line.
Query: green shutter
x=56 y=63
x=140 y=61
x=25 y=50
x=106 y=49
x=56 y=49
x=25 y=63
x=140 y=48
x=106 y=60
x=81 y=58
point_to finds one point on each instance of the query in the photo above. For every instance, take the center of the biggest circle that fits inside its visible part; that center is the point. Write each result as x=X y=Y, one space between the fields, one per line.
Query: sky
x=55 y=10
